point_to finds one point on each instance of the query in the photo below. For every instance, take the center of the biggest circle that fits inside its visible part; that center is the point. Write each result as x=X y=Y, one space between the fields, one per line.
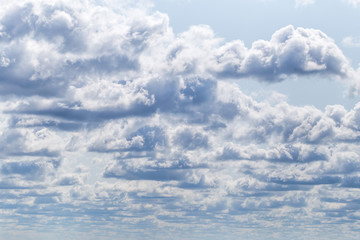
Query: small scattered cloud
x=303 y=3
x=351 y=41
x=355 y=3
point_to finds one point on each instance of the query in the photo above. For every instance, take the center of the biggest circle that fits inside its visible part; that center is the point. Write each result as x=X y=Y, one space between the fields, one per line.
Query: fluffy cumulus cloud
x=112 y=124
x=289 y=52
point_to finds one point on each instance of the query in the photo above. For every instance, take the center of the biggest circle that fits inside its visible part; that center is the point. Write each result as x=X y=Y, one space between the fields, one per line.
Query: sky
x=185 y=119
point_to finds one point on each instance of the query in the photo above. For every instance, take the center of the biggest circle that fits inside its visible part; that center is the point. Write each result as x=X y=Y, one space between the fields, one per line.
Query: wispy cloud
x=355 y=3
x=351 y=41
x=302 y=3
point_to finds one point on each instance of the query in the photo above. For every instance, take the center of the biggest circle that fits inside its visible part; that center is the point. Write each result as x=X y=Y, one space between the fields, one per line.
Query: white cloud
x=289 y=52
x=355 y=3
x=351 y=41
x=166 y=138
x=301 y=3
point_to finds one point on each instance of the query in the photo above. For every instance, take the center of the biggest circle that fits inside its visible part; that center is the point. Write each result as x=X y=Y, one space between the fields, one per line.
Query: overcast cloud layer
x=113 y=127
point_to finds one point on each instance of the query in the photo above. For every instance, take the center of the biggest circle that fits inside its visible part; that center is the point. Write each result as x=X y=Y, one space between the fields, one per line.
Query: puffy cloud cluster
x=110 y=119
x=290 y=51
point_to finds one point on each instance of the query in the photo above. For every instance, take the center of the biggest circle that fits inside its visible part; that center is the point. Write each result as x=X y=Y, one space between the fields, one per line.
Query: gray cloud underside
x=109 y=119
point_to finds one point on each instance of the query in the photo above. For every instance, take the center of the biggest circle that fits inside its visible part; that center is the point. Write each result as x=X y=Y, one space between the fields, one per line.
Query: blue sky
x=186 y=119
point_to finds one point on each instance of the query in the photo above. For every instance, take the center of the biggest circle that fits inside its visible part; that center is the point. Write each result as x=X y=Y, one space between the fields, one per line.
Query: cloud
x=351 y=42
x=31 y=170
x=33 y=122
x=49 y=46
x=52 y=52
x=284 y=153
x=289 y=52
x=146 y=138
x=168 y=137
x=300 y=3
x=30 y=142
x=191 y=140
x=355 y=3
